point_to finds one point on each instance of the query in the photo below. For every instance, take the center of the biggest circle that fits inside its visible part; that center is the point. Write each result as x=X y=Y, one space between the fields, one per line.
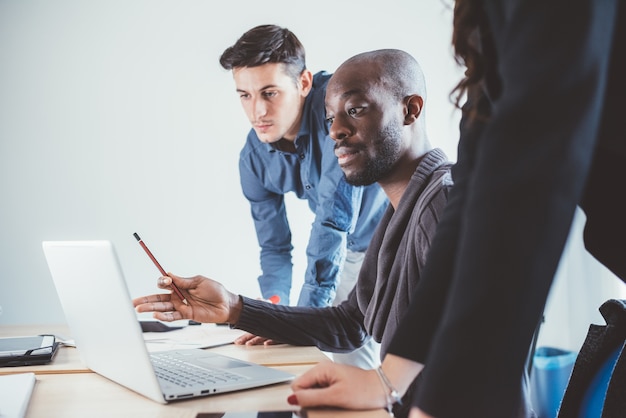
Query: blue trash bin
x=548 y=379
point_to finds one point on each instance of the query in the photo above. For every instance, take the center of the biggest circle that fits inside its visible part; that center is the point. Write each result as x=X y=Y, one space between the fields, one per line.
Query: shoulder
x=436 y=187
x=254 y=154
x=439 y=185
x=442 y=177
x=253 y=146
x=436 y=171
x=320 y=79
x=314 y=121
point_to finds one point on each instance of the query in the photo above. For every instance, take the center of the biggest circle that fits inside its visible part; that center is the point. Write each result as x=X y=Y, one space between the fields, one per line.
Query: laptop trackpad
x=222 y=363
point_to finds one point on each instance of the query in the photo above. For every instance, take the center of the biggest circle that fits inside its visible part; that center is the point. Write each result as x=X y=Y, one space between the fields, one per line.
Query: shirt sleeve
x=273 y=234
x=335 y=328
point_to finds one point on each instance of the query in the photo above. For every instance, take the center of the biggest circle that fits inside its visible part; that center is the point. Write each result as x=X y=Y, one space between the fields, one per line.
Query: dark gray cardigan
x=390 y=271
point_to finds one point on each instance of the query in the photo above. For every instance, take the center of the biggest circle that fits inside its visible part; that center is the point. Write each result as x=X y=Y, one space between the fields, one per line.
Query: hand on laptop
x=208 y=300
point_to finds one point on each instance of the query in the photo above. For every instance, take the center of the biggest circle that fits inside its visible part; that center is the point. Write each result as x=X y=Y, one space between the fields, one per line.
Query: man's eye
x=353 y=111
x=330 y=120
x=269 y=93
x=244 y=96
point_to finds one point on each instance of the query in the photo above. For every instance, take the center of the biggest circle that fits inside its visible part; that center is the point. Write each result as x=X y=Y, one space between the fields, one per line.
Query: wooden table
x=68 y=360
x=67 y=388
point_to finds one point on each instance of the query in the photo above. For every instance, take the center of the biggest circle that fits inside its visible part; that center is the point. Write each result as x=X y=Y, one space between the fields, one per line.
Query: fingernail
x=274 y=299
x=292 y=400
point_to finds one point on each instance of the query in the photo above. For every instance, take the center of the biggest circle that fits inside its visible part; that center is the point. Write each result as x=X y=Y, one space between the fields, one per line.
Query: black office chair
x=597 y=385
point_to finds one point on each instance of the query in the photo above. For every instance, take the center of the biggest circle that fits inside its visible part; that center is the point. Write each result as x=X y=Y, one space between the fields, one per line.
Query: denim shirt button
x=308 y=187
x=302 y=156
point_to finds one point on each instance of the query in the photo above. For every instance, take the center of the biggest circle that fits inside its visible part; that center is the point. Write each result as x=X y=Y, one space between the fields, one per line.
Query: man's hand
x=251 y=339
x=208 y=300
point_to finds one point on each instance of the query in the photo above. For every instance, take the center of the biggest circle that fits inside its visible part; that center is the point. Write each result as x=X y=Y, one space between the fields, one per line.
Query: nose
x=259 y=108
x=339 y=130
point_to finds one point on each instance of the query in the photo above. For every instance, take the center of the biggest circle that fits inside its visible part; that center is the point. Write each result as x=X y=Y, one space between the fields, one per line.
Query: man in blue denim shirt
x=288 y=150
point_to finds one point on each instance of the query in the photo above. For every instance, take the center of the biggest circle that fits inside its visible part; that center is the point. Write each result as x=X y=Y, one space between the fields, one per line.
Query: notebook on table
x=15 y=393
x=99 y=311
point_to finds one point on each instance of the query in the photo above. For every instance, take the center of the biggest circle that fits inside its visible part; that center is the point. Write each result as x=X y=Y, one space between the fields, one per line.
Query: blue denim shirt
x=345 y=216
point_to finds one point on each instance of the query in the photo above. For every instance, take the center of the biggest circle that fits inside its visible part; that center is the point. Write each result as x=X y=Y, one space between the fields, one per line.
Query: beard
x=386 y=150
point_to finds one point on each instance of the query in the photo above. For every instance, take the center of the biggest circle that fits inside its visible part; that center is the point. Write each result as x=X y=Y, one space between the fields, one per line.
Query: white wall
x=116 y=117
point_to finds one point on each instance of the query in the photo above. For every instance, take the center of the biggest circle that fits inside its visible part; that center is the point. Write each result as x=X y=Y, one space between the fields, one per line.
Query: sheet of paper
x=191 y=336
x=15 y=392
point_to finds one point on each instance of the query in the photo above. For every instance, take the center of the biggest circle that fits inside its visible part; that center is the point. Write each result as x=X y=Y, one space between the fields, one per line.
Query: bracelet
x=391 y=393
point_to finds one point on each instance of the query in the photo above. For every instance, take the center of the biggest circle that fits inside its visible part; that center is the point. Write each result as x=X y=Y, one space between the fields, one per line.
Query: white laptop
x=99 y=311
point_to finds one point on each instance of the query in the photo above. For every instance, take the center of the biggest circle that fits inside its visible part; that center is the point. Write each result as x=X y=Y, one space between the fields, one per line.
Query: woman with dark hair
x=540 y=135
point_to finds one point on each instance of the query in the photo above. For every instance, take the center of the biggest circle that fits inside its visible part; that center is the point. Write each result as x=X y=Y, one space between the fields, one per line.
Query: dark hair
x=266 y=44
x=473 y=48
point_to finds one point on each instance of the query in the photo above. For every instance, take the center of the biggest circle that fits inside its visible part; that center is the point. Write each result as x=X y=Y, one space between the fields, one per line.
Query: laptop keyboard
x=184 y=374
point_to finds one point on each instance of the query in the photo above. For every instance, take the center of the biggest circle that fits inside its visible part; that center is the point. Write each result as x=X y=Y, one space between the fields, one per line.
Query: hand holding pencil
x=156 y=263
x=211 y=302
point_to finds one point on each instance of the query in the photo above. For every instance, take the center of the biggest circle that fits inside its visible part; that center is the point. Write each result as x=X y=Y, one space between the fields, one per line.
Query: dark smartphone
x=156 y=326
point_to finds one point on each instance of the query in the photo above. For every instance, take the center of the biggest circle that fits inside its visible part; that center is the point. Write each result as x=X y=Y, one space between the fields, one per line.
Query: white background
x=116 y=117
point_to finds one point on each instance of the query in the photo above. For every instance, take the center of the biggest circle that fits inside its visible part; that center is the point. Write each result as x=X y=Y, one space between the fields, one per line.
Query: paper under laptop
x=98 y=309
x=191 y=336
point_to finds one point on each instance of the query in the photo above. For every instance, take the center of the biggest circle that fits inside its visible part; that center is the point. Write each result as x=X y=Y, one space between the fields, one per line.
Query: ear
x=306 y=82
x=413 y=108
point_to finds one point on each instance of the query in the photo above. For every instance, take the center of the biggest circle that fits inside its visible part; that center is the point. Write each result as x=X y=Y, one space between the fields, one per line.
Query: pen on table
x=156 y=263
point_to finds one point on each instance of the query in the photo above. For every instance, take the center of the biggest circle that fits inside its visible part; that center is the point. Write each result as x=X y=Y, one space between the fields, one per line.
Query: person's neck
x=396 y=183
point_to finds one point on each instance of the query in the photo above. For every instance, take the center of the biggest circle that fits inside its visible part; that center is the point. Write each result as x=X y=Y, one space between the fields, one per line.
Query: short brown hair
x=266 y=44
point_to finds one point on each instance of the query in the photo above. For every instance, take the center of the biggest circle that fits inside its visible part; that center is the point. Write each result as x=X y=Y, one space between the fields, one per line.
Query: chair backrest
x=597 y=385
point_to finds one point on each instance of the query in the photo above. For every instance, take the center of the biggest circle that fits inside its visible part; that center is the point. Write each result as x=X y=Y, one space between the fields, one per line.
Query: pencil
x=156 y=263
